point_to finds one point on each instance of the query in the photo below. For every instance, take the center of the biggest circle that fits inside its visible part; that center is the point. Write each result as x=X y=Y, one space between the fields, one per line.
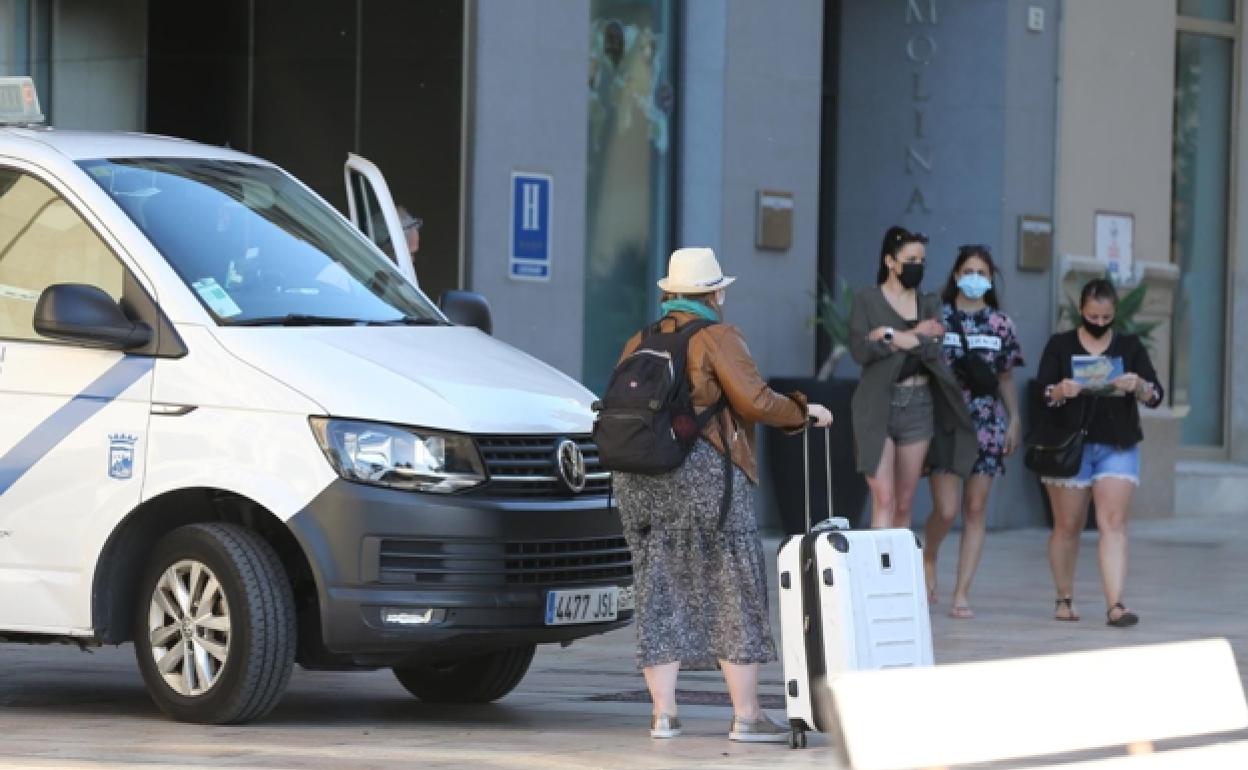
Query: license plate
x=584 y=605
x=627 y=600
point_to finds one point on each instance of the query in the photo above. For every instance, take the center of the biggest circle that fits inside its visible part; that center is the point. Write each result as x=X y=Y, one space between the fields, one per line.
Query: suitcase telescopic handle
x=827 y=461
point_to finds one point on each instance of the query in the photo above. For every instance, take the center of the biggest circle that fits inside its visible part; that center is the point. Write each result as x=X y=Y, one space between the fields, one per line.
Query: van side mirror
x=85 y=314
x=467 y=308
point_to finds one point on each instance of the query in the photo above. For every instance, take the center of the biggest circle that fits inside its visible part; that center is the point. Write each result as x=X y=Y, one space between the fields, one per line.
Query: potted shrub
x=784 y=452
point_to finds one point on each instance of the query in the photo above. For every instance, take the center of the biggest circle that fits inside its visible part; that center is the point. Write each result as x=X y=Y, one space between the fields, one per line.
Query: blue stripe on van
x=64 y=421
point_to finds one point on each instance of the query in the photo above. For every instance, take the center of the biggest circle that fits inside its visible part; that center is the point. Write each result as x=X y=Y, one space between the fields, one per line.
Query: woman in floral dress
x=699 y=567
x=986 y=333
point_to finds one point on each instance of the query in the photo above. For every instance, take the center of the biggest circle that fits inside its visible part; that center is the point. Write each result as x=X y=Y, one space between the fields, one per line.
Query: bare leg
x=974 y=526
x=881 y=485
x=742 y=681
x=1113 y=501
x=1070 y=511
x=661 y=681
x=946 y=488
x=910 y=461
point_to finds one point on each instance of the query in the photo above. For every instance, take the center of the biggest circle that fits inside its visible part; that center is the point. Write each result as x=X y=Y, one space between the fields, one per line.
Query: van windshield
x=256 y=247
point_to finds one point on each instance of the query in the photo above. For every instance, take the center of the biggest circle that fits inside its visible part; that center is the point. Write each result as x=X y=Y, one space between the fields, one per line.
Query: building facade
x=1063 y=134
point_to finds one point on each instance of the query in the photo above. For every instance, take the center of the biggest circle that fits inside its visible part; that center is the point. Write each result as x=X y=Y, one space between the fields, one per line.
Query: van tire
x=481 y=679
x=261 y=612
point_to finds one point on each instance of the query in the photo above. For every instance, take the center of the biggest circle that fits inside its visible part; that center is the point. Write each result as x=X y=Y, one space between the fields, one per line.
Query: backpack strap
x=679 y=351
x=676 y=344
x=729 y=472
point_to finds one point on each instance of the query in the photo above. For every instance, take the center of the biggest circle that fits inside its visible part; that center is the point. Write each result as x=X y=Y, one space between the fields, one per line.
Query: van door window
x=372 y=223
x=374 y=213
x=43 y=241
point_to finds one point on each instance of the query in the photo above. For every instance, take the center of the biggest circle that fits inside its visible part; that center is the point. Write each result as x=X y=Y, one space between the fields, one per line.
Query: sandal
x=1125 y=619
x=1065 y=601
x=961 y=612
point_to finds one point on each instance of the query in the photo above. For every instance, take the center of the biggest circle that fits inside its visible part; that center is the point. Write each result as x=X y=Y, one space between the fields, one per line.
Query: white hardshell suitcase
x=849 y=600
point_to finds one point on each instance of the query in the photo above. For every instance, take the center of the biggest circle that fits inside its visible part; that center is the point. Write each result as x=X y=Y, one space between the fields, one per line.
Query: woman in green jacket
x=908 y=412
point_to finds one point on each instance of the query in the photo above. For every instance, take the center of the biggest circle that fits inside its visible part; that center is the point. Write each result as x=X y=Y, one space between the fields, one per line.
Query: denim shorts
x=910 y=414
x=1103 y=461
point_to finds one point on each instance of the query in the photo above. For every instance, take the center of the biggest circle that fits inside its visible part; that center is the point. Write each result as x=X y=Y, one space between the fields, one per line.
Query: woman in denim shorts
x=1111 y=459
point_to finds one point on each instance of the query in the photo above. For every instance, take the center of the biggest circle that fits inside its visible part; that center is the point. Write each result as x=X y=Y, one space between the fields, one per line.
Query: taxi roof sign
x=19 y=102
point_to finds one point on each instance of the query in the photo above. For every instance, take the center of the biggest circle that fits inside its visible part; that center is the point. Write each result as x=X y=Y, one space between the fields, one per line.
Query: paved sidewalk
x=578 y=707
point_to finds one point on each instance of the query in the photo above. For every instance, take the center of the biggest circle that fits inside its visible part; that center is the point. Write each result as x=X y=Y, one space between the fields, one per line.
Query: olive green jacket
x=954 y=446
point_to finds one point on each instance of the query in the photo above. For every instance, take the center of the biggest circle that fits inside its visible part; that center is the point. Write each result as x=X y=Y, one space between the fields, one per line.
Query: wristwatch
x=888 y=334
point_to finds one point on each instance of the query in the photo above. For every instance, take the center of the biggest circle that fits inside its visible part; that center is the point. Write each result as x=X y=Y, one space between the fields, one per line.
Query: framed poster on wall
x=1114 y=240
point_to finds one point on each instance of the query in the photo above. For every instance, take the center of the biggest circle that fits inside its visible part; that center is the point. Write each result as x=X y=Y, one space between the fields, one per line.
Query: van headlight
x=398 y=457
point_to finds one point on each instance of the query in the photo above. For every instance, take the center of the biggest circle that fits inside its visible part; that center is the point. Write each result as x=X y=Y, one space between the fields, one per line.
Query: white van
x=234 y=433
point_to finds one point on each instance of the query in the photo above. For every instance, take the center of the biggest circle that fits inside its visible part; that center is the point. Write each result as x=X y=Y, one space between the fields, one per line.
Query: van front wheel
x=214 y=626
x=480 y=679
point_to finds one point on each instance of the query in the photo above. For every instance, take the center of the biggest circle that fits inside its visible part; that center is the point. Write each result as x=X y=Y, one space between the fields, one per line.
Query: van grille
x=531 y=562
x=525 y=466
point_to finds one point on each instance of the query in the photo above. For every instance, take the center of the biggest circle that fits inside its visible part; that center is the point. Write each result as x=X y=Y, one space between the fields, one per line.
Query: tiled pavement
x=60 y=708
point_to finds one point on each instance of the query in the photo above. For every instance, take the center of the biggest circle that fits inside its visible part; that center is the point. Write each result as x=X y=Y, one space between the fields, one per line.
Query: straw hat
x=694 y=271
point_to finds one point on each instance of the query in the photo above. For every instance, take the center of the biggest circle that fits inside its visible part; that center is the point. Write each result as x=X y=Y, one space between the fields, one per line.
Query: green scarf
x=689 y=306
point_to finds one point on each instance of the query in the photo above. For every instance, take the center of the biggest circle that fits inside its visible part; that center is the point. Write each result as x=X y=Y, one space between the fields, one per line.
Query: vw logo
x=571 y=465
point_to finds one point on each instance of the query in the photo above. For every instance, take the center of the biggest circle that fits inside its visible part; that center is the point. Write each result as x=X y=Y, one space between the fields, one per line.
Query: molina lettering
x=919 y=94
x=917 y=201
x=914 y=12
x=914 y=156
x=921 y=48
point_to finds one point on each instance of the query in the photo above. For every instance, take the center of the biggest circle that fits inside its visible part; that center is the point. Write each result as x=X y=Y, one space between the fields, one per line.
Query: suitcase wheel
x=797 y=739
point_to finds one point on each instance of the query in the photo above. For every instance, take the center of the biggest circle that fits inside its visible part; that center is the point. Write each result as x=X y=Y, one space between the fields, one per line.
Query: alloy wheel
x=189 y=628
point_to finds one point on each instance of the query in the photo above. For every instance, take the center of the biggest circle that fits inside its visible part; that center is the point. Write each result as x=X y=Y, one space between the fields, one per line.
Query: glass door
x=1201 y=200
x=629 y=190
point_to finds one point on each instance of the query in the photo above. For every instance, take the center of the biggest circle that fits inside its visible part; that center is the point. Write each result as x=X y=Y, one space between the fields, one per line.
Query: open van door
x=374 y=213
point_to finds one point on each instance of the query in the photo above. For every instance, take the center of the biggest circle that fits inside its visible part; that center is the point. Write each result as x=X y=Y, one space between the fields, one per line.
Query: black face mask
x=911 y=274
x=1097 y=330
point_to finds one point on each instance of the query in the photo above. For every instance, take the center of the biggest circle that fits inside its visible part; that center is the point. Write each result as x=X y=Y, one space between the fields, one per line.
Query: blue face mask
x=974 y=285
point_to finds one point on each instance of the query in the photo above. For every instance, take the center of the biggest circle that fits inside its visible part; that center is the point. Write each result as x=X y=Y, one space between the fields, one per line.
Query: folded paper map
x=1097 y=373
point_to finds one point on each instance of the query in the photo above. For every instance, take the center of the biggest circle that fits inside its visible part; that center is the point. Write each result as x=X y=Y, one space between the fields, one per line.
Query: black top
x=913 y=364
x=1117 y=418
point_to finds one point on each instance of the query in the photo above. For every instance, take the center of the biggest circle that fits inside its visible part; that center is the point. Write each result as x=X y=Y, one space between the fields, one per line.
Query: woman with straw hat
x=701 y=585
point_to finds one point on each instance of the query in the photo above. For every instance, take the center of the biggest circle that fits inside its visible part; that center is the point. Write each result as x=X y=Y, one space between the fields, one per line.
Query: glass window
x=368 y=211
x=14 y=37
x=1202 y=161
x=43 y=241
x=629 y=190
x=258 y=248
x=1215 y=10
x=25 y=40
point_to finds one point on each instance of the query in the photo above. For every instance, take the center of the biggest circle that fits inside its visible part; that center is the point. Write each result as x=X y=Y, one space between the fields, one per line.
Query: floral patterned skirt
x=701 y=589
x=988 y=414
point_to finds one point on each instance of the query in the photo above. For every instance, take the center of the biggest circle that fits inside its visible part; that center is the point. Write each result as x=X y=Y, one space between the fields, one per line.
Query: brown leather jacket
x=720 y=364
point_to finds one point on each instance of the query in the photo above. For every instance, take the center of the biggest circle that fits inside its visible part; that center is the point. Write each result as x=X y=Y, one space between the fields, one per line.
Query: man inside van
x=411 y=229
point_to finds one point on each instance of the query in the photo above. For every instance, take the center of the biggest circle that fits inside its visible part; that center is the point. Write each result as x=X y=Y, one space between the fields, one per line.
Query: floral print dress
x=701 y=587
x=991 y=336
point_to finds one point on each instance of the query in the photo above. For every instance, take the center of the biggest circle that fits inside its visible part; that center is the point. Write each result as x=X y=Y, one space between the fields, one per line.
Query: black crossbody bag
x=973 y=370
x=1060 y=456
